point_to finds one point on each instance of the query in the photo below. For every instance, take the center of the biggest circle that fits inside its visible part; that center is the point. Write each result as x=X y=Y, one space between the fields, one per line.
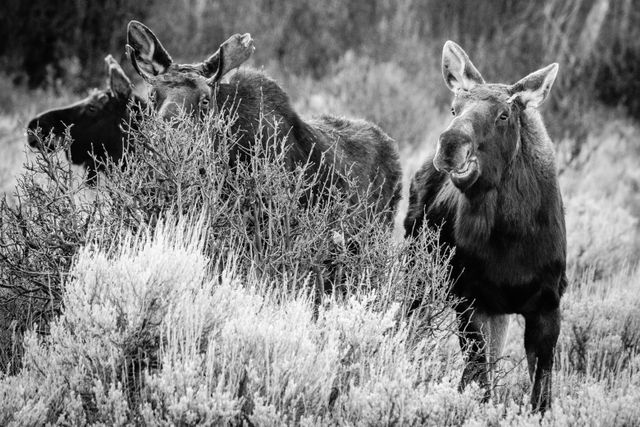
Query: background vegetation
x=163 y=297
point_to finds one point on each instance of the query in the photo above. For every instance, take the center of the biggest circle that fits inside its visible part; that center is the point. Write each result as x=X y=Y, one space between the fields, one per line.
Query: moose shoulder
x=492 y=190
x=262 y=109
x=95 y=124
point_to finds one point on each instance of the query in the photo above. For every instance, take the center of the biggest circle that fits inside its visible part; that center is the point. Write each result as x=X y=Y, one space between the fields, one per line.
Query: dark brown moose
x=354 y=145
x=492 y=190
x=95 y=124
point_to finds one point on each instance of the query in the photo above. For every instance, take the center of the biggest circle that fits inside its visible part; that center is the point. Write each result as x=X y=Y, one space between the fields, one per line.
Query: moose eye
x=453 y=111
x=92 y=108
x=504 y=116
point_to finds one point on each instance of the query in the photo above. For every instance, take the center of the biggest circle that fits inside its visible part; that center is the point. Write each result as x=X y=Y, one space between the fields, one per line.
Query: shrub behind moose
x=492 y=188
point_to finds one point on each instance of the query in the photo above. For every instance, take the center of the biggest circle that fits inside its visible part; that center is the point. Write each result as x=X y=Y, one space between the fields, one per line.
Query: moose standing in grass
x=492 y=190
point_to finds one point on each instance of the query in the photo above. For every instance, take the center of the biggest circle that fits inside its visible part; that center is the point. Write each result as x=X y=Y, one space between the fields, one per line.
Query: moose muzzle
x=455 y=156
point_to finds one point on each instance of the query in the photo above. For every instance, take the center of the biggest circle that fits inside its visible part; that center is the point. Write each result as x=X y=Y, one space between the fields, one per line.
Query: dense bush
x=252 y=209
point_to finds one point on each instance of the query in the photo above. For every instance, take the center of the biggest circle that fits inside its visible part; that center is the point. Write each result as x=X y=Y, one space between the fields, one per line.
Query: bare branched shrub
x=288 y=219
x=40 y=233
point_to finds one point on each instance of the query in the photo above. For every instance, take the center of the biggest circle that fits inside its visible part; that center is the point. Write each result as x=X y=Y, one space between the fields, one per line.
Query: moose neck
x=259 y=101
x=511 y=207
x=136 y=108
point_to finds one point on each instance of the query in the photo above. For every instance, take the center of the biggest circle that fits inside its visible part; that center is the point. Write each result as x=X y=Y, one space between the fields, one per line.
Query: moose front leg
x=473 y=346
x=92 y=175
x=540 y=337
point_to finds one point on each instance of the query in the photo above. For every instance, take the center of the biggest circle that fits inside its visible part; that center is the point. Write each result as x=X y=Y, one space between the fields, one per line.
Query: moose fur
x=492 y=190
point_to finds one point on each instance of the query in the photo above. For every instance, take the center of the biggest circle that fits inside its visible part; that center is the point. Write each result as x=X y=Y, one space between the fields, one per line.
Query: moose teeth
x=466 y=170
x=463 y=170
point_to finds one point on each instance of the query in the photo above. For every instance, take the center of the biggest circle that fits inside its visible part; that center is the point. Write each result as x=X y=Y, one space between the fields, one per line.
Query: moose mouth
x=32 y=139
x=465 y=176
x=49 y=143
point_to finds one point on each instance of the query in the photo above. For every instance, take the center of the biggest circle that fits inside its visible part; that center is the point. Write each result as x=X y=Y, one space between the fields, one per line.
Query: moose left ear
x=533 y=89
x=119 y=83
x=146 y=53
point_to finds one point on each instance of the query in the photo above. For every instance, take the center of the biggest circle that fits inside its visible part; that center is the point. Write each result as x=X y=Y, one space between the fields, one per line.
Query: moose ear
x=231 y=54
x=119 y=83
x=457 y=69
x=146 y=53
x=533 y=89
x=212 y=65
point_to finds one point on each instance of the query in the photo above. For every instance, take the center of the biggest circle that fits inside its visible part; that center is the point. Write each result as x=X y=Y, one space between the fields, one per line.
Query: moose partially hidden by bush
x=332 y=146
x=99 y=125
x=96 y=124
x=492 y=190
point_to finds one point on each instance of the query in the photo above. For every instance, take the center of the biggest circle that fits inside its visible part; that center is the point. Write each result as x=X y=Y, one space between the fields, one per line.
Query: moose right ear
x=119 y=83
x=235 y=51
x=147 y=55
x=457 y=69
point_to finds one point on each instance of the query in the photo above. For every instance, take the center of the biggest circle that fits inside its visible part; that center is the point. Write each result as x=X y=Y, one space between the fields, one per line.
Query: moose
x=491 y=189
x=356 y=146
x=95 y=124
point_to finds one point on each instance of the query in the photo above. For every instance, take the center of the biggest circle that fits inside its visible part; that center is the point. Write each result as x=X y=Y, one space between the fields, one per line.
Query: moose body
x=332 y=146
x=95 y=124
x=491 y=189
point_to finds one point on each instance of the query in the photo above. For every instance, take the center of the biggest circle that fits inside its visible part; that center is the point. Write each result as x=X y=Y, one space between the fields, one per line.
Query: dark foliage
x=596 y=42
x=42 y=38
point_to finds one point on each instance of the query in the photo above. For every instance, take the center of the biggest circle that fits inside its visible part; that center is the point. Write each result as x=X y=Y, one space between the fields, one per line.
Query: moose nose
x=32 y=139
x=168 y=111
x=452 y=151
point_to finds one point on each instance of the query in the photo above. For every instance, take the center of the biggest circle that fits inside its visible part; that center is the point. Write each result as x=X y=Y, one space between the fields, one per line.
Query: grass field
x=228 y=347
